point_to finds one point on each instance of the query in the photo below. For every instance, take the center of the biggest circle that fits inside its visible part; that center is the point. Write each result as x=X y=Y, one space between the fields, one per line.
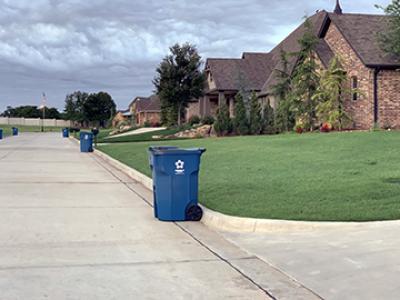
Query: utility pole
x=43 y=107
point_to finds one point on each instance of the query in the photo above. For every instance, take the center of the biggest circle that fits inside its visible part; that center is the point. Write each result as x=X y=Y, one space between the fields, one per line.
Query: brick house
x=146 y=110
x=225 y=77
x=351 y=37
x=141 y=110
x=121 y=116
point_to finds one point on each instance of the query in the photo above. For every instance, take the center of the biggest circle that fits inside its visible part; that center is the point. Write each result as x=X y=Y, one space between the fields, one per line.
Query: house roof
x=249 y=72
x=257 y=71
x=150 y=104
x=136 y=99
x=362 y=32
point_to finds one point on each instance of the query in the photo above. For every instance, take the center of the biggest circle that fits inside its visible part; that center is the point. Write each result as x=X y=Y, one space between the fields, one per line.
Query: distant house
x=148 y=111
x=121 y=116
x=351 y=37
x=226 y=76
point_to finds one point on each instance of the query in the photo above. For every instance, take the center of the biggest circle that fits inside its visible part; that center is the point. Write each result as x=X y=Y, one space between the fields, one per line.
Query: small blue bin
x=86 y=139
x=175 y=175
x=14 y=131
x=65 y=132
x=1 y=134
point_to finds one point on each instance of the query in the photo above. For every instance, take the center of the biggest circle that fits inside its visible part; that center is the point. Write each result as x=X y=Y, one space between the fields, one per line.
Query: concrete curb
x=222 y=222
x=136 y=175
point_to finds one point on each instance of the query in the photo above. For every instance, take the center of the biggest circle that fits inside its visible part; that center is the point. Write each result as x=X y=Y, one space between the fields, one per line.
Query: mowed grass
x=7 y=129
x=317 y=177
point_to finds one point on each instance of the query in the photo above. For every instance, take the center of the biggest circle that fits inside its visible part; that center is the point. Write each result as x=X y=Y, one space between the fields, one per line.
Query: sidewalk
x=74 y=228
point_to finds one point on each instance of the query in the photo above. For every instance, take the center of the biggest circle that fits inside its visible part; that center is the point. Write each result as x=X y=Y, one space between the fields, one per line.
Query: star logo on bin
x=180 y=167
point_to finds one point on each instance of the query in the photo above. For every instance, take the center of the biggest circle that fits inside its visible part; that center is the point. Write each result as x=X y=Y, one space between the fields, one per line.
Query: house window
x=354 y=87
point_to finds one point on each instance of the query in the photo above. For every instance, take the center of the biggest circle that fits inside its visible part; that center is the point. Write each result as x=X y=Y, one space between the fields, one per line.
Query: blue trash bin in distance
x=65 y=132
x=1 y=134
x=86 y=139
x=14 y=131
x=175 y=175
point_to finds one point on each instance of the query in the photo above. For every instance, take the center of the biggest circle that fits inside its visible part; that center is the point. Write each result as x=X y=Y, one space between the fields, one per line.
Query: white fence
x=35 y=122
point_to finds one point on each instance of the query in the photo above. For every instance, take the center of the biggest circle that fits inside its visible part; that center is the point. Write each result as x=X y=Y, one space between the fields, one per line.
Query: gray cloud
x=59 y=46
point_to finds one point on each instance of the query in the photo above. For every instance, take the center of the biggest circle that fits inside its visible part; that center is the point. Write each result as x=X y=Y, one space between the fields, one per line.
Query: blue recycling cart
x=65 y=132
x=1 y=134
x=86 y=139
x=14 y=131
x=175 y=175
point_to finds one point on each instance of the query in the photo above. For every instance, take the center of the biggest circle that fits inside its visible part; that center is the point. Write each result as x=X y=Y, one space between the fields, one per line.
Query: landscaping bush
x=194 y=120
x=208 y=120
x=223 y=124
x=269 y=120
x=256 y=120
x=326 y=127
x=240 y=122
x=147 y=124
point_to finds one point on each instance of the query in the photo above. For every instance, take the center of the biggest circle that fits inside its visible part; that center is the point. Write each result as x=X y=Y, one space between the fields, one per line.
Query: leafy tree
x=256 y=120
x=223 y=123
x=330 y=95
x=390 y=39
x=99 y=108
x=73 y=109
x=240 y=122
x=178 y=81
x=282 y=90
x=305 y=78
x=30 y=111
x=268 y=119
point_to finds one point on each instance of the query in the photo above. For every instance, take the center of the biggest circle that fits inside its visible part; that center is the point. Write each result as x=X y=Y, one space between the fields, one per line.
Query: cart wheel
x=194 y=213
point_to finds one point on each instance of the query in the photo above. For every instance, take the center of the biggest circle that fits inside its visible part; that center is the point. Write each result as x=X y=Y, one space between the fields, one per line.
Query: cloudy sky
x=59 y=46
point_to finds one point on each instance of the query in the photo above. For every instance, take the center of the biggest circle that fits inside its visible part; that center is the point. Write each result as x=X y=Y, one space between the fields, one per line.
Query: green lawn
x=7 y=129
x=330 y=177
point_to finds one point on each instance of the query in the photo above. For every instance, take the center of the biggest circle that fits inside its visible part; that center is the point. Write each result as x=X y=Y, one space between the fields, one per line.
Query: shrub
x=223 y=124
x=208 y=120
x=146 y=124
x=194 y=120
x=299 y=129
x=240 y=122
x=326 y=127
x=269 y=120
x=256 y=121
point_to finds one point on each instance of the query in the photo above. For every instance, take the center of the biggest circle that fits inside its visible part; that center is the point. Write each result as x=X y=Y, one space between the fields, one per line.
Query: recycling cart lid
x=167 y=150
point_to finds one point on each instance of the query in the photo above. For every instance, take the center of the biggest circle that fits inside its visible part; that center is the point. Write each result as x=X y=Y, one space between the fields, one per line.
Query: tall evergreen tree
x=331 y=94
x=223 y=123
x=240 y=122
x=390 y=38
x=269 y=119
x=282 y=91
x=305 y=78
x=255 y=120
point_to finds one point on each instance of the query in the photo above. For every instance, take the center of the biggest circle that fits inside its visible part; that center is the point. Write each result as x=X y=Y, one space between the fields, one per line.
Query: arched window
x=354 y=88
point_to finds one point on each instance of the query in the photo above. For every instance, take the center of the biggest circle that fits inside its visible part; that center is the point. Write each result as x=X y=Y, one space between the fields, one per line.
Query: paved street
x=74 y=228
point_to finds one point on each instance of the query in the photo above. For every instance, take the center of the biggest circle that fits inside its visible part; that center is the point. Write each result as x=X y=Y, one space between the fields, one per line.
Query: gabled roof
x=248 y=73
x=137 y=99
x=291 y=44
x=362 y=33
x=150 y=104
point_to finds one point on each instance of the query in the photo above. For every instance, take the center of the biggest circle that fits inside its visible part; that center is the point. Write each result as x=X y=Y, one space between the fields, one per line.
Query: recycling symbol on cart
x=179 y=167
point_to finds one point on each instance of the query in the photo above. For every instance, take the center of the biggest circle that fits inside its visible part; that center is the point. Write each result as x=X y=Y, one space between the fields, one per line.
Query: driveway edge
x=222 y=222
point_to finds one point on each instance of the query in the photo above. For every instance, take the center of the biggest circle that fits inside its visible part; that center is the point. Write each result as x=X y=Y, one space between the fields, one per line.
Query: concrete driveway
x=74 y=228
x=355 y=262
